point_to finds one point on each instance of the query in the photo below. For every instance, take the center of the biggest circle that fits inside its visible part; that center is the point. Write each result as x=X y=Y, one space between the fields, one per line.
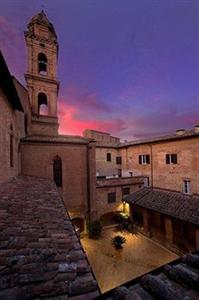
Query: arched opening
x=78 y=224
x=110 y=218
x=42 y=104
x=57 y=171
x=42 y=64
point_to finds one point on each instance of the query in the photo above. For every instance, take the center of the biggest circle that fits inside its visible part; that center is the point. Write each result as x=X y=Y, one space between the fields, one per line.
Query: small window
x=187 y=187
x=171 y=159
x=119 y=172
x=125 y=191
x=11 y=147
x=118 y=160
x=112 y=197
x=108 y=157
x=144 y=159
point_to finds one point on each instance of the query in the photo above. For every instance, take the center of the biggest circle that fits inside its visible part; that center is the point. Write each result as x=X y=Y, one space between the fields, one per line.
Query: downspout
x=151 y=165
x=88 y=181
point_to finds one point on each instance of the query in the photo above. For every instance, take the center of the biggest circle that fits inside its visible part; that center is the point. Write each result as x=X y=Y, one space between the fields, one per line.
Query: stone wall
x=37 y=160
x=105 y=186
x=8 y=118
x=167 y=176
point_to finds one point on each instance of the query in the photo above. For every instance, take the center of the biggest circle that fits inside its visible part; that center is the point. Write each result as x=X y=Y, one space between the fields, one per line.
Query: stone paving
x=112 y=268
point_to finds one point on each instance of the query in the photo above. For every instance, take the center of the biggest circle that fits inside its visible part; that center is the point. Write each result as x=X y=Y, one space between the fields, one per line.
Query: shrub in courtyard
x=94 y=229
x=123 y=220
x=118 y=241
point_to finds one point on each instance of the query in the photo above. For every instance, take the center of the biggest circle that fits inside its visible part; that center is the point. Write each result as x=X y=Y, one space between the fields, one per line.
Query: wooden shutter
x=174 y=159
x=148 y=159
x=140 y=159
x=167 y=159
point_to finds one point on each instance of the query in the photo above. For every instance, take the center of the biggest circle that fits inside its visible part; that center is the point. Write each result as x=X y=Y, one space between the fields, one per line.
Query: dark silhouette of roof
x=7 y=85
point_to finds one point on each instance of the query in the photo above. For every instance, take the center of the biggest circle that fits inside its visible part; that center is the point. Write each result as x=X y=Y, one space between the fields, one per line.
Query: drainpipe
x=88 y=181
x=151 y=165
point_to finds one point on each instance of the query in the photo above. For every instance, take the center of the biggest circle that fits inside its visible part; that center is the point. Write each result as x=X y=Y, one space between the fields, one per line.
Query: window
x=171 y=159
x=112 y=197
x=42 y=64
x=125 y=191
x=118 y=160
x=108 y=156
x=144 y=159
x=42 y=104
x=11 y=147
x=57 y=171
x=119 y=172
x=187 y=187
x=146 y=181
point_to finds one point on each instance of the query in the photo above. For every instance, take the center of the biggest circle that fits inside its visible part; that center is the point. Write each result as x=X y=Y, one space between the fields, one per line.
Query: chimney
x=196 y=128
x=180 y=131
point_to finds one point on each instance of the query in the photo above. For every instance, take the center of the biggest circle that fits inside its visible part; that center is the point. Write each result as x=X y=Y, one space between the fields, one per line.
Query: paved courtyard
x=139 y=255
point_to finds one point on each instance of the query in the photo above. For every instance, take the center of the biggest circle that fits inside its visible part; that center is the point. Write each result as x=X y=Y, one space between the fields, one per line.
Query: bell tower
x=41 y=75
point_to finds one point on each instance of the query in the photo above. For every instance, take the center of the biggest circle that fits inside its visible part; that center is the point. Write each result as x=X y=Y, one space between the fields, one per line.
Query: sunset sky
x=129 y=67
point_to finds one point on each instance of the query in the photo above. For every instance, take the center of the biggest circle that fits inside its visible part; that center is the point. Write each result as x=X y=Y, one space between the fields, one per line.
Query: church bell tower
x=41 y=75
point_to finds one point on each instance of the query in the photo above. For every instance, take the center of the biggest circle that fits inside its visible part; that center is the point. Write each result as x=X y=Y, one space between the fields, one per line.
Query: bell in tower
x=41 y=75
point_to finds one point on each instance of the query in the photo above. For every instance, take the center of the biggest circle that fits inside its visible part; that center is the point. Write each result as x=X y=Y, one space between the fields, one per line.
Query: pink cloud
x=70 y=125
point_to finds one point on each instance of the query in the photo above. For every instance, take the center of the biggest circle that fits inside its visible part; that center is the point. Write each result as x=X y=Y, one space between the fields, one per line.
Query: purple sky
x=129 y=67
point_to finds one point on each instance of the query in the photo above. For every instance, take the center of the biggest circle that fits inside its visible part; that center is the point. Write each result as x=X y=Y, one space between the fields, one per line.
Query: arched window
x=42 y=64
x=42 y=104
x=57 y=171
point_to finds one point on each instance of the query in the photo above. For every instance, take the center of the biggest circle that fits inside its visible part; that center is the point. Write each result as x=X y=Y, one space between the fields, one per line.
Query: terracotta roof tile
x=40 y=254
x=174 y=204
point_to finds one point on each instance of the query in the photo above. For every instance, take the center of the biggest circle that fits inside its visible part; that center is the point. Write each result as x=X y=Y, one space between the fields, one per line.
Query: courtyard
x=113 y=268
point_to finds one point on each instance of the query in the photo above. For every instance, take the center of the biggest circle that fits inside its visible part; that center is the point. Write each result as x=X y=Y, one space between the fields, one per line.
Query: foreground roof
x=6 y=83
x=175 y=281
x=40 y=253
x=174 y=204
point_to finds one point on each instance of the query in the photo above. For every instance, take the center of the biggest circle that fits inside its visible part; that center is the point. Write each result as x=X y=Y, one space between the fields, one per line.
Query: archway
x=42 y=64
x=78 y=224
x=42 y=104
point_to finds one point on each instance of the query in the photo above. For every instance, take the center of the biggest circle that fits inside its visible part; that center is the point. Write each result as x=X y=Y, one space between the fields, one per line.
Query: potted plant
x=94 y=229
x=118 y=241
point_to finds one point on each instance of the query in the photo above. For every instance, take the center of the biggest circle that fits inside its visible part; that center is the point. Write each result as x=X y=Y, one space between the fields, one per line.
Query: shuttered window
x=112 y=197
x=144 y=159
x=171 y=159
x=108 y=157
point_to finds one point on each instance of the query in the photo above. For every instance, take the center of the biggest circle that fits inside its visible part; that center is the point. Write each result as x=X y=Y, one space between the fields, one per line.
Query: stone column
x=168 y=229
x=197 y=238
x=146 y=220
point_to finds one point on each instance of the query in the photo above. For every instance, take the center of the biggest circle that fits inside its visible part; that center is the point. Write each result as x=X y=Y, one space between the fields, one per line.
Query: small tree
x=94 y=229
x=118 y=241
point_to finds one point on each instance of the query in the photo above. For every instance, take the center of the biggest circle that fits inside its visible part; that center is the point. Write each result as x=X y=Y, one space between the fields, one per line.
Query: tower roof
x=41 y=19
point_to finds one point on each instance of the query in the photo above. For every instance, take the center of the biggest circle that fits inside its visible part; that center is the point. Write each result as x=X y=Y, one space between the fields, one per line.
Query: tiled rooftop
x=40 y=253
x=57 y=139
x=186 y=134
x=174 y=204
x=178 y=280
